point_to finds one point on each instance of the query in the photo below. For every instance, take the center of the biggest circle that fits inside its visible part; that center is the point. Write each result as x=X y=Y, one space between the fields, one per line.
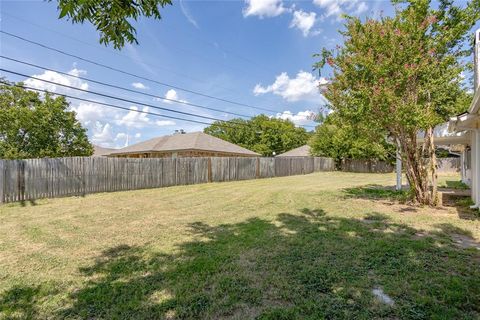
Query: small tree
x=260 y=134
x=402 y=74
x=341 y=140
x=35 y=127
x=112 y=18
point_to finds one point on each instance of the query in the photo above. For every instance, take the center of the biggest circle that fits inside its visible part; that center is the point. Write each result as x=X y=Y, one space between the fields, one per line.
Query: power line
x=132 y=74
x=123 y=88
x=109 y=104
x=179 y=74
x=112 y=97
x=126 y=89
x=190 y=34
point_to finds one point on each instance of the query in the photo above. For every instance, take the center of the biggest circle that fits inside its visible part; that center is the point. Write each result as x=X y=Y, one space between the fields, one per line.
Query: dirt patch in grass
x=464 y=241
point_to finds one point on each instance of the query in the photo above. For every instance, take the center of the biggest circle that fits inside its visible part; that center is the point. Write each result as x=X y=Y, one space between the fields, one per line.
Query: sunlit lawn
x=297 y=247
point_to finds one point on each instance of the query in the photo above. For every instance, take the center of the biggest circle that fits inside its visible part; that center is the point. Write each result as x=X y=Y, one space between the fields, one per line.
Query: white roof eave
x=475 y=106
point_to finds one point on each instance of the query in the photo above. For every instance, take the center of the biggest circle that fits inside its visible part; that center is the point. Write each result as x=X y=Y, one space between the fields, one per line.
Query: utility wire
x=132 y=74
x=179 y=74
x=205 y=40
x=110 y=105
x=123 y=88
x=113 y=97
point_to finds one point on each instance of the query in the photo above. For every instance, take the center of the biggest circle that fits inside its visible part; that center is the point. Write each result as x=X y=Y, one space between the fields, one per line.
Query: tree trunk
x=432 y=165
x=418 y=167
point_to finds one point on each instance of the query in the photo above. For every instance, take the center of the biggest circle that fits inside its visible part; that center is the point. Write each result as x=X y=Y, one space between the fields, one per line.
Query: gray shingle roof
x=187 y=141
x=303 y=151
x=101 y=151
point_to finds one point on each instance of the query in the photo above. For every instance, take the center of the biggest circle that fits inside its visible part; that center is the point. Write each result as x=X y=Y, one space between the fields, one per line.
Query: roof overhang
x=461 y=139
x=475 y=106
x=466 y=121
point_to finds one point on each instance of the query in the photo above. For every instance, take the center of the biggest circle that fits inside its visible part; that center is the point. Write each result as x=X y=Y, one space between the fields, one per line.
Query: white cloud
x=58 y=78
x=331 y=7
x=134 y=119
x=138 y=120
x=121 y=136
x=188 y=15
x=172 y=95
x=139 y=85
x=301 y=118
x=102 y=134
x=303 y=87
x=135 y=55
x=304 y=21
x=163 y=123
x=263 y=8
x=338 y=7
x=88 y=113
x=361 y=8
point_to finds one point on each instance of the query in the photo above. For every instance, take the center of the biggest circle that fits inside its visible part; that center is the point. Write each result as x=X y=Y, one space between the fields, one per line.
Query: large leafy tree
x=112 y=18
x=341 y=140
x=402 y=74
x=261 y=134
x=32 y=126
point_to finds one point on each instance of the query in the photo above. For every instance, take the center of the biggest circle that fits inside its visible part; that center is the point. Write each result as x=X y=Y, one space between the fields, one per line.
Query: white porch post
x=462 y=166
x=476 y=167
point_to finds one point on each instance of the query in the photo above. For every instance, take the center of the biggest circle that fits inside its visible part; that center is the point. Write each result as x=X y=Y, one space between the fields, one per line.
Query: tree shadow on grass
x=24 y=301
x=20 y=300
x=375 y=192
x=388 y=195
x=302 y=265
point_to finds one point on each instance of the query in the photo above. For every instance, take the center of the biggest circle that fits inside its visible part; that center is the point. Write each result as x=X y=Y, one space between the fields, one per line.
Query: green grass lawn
x=301 y=247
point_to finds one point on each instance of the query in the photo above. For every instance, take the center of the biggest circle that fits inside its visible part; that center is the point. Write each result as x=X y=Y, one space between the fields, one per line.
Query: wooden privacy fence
x=366 y=166
x=449 y=165
x=48 y=178
x=445 y=165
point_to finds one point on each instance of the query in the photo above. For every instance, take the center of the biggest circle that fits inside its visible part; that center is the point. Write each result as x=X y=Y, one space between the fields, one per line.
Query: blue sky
x=256 y=52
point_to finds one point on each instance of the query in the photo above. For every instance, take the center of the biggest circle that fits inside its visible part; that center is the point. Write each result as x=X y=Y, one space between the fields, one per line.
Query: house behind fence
x=183 y=145
x=48 y=178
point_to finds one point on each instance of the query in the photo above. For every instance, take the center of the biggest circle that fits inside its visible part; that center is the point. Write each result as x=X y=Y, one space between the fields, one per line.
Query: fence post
x=21 y=180
x=257 y=169
x=2 y=180
x=209 y=169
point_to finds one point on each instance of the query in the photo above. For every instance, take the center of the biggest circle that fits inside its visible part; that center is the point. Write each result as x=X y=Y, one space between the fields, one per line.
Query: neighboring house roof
x=188 y=141
x=303 y=151
x=101 y=151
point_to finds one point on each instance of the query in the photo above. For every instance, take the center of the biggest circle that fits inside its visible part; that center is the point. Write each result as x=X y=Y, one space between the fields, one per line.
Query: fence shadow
x=304 y=264
x=376 y=192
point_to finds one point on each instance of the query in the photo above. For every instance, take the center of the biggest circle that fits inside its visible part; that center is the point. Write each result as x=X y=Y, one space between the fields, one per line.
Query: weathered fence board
x=32 y=179
x=266 y=167
x=449 y=165
x=366 y=166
